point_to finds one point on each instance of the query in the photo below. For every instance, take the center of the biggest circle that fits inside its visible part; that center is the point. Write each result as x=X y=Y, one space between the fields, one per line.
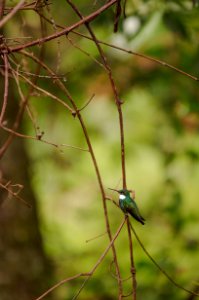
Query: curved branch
x=89 y=274
x=160 y=268
x=62 y=32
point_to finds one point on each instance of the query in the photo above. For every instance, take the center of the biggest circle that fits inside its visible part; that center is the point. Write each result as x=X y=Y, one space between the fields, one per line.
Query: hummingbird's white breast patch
x=122 y=197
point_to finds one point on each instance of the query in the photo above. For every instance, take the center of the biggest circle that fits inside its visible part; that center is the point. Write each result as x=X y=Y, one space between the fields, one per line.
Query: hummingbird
x=128 y=205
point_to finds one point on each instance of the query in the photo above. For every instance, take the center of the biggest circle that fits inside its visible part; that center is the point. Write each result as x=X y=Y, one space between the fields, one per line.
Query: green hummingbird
x=128 y=205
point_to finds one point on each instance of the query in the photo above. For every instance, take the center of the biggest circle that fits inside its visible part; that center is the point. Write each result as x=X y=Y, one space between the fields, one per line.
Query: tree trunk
x=25 y=271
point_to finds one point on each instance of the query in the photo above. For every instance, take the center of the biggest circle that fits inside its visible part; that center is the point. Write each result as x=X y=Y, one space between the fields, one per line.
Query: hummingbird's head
x=123 y=193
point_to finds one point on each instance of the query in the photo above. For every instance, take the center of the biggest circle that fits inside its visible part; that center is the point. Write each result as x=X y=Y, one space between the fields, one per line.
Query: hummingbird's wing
x=134 y=212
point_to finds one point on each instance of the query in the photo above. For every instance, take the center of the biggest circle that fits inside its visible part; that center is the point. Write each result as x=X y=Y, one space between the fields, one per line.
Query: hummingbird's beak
x=113 y=190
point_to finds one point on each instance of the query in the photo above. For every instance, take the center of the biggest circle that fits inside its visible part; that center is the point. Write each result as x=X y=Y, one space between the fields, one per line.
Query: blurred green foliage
x=162 y=149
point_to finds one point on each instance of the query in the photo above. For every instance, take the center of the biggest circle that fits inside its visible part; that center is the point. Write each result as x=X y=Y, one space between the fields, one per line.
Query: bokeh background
x=162 y=152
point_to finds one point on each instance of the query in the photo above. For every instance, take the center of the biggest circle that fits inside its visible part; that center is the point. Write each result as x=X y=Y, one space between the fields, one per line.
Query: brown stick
x=78 y=114
x=89 y=274
x=6 y=82
x=12 y=13
x=133 y=270
x=62 y=32
x=116 y=99
x=160 y=268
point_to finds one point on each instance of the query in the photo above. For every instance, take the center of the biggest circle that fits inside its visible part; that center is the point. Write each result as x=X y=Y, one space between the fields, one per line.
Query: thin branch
x=113 y=201
x=66 y=30
x=21 y=111
x=2 y=6
x=96 y=237
x=101 y=258
x=133 y=270
x=61 y=283
x=90 y=148
x=159 y=267
x=16 y=77
x=6 y=82
x=158 y=61
x=89 y=274
x=17 y=197
x=83 y=51
x=45 y=92
x=149 y=58
x=87 y=103
x=116 y=100
x=39 y=138
x=117 y=15
x=74 y=147
x=12 y=13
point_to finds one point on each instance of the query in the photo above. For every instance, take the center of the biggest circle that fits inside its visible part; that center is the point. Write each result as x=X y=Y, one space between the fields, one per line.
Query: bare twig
x=153 y=59
x=101 y=258
x=12 y=13
x=87 y=138
x=2 y=5
x=6 y=82
x=22 y=108
x=45 y=92
x=83 y=51
x=15 y=195
x=117 y=15
x=149 y=58
x=160 y=268
x=66 y=30
x=87 y=103
x=89 y=274
x=133 y=270
x=96 y=237
x=122 y=136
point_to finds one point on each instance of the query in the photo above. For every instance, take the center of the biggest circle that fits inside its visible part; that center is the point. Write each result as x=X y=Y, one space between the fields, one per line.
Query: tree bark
x=25 y=271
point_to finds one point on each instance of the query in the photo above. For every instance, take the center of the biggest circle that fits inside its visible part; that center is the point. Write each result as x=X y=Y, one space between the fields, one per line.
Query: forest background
x=46 y=161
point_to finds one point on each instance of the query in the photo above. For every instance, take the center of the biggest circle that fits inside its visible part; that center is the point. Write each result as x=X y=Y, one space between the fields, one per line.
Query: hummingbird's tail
x=138 y=218
x=141 y=221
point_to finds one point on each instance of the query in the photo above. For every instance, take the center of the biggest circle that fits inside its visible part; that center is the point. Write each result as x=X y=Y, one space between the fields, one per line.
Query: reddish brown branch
x=117 y=15
x=160 y=268
x=89 y=274
x=133 y=270
x=78 y=114
x=123 y=158
x=12 y=13
x=45 y=92
x=14 y=195
x=6 y=82
x=114 y=88
x=2 y=6
x=153 y=59
x=62 y=32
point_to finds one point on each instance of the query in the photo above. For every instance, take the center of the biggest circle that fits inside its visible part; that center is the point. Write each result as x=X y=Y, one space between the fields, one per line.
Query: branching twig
x=117 y=15
x=149 y=58
x=89 y=274
x=12 y=13
x=45 y=92
x=83 y=51
x=15 y=195
x=159 y=267
x=66 y=30
x=87 y=138
x=122 y=135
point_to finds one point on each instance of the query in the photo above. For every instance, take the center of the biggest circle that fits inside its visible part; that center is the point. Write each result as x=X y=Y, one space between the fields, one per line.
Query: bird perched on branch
x=128 y=205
